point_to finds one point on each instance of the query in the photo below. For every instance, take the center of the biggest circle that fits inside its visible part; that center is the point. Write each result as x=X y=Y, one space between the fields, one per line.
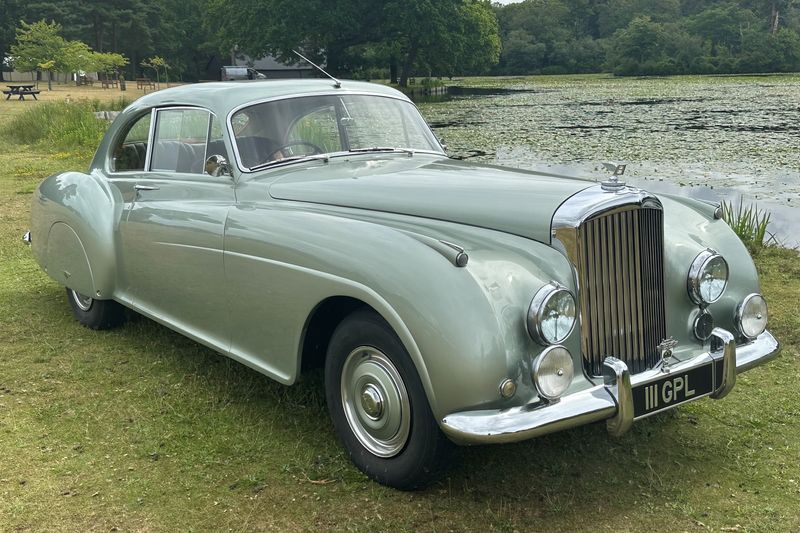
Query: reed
x=749 y=223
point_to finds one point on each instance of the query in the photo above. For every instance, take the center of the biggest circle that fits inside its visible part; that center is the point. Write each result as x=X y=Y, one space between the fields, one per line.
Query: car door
x=171 y=228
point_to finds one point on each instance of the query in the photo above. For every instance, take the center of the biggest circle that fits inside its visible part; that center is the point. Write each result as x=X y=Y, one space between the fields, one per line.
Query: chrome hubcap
x=375 y=401
x=84 y=303
x=372 y=402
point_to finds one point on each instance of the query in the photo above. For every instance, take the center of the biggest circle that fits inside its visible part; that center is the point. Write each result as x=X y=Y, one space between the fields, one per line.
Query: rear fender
x=73 y=222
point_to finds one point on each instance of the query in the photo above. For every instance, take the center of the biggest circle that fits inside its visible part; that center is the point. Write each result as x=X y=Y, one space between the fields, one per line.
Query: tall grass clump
x=60 y=125
x=749 y=223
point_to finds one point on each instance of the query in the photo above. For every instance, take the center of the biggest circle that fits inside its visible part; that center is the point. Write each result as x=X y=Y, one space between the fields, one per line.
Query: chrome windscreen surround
x=614 y=243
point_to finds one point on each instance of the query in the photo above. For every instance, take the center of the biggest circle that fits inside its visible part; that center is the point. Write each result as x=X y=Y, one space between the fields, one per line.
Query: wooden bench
x=22 y=94
x=109 y=83
x=145 y=83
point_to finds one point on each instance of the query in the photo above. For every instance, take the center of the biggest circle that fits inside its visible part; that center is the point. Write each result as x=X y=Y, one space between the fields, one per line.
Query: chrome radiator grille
x=621 y=288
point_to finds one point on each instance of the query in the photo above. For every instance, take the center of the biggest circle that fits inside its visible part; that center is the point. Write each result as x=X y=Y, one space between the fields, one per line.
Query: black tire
x=394 y=442
x=95 y=314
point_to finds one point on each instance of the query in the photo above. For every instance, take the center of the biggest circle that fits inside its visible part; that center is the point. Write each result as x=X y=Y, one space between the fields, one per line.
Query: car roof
x=222 y=97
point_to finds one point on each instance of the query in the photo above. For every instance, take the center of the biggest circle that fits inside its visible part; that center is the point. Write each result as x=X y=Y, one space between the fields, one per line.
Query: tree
x=323 y=29
x=158 y=64
x=639 y=47
x=109 y=63
x=37 y=43
x=10 y=15
x=722 y=25
x=75 y=57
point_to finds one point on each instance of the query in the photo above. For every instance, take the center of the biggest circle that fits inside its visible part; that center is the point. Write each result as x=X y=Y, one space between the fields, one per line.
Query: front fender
x=463 y=327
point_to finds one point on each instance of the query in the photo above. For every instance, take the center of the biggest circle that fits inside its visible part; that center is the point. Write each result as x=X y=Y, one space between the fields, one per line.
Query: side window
x=216 y=146
x=180 y=140
x=317 y=128
x=130 y=154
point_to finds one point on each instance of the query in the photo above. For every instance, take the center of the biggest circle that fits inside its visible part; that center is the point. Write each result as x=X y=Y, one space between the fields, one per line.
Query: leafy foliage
x=749 y=223
x=40 y=46
x=646 y=37
x=66 y=125
x=417 y=36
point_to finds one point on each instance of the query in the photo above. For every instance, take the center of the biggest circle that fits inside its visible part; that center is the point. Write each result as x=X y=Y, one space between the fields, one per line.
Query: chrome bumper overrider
x=612 y=401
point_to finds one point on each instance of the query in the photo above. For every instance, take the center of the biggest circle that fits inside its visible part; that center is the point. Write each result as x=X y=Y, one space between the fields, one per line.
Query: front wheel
x=95 y=314
x=378 y=405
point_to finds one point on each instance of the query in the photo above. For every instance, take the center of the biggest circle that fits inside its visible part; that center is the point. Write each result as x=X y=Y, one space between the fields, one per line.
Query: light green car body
x=260 y=266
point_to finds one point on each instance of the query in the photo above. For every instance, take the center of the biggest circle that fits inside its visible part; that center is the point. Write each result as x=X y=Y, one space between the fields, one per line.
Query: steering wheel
x=316 y=149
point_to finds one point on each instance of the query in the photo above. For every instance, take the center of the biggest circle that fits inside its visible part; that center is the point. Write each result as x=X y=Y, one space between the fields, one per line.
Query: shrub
x=749 y=223
x=65 y=125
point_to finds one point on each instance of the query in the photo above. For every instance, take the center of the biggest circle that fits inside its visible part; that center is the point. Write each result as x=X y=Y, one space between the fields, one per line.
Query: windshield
x=300 y=128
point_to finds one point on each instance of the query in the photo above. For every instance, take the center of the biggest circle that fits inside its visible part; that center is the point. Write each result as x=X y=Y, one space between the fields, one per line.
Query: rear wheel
x=378 y=405
x=95 y=314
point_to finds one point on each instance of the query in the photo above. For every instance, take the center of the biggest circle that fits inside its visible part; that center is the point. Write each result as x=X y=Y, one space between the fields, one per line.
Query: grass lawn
x=142 y=429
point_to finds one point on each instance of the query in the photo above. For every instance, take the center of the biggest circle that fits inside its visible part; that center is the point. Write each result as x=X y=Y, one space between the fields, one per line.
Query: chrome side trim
x=612 y=400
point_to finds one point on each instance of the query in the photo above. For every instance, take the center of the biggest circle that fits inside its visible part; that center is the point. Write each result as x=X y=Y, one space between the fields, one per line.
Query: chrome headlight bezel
x=568 y=369
x=536 y=313
x=700 y=265
x=740 y=315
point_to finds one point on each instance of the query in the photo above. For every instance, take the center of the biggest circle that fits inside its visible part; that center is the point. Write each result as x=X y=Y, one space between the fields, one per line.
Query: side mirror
x=217 y=165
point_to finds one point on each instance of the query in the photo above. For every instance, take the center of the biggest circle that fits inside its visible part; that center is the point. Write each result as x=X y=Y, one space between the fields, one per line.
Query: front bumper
x=611 y=401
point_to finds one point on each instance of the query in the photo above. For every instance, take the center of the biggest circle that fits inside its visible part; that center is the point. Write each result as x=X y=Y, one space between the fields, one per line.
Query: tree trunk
x=333 y=60
x=774 y=20
x=393 y=69
x=49 y=80
x=98 y=33
x=408 y=64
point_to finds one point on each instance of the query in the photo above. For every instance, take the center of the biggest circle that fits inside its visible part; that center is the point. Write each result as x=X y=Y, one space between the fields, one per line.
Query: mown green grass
x=142 y=429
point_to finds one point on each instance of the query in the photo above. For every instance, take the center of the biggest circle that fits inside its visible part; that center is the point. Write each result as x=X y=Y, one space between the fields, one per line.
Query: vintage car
x=297 y=224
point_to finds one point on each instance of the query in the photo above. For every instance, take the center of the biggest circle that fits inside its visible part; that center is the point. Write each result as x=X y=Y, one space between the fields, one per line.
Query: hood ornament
x=665 y=351
x=613 y=184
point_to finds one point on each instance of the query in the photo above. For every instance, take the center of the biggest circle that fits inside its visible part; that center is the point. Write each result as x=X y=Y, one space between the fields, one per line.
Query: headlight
x=551 y=315
x=751 y=316
x=708 y=277
x=553 y=372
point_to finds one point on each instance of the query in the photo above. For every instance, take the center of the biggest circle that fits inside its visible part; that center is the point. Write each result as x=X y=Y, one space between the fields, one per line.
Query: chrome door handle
x=145 y=187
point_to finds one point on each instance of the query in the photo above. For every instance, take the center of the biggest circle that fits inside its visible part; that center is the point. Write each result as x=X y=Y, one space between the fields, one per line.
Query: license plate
x=673 y=389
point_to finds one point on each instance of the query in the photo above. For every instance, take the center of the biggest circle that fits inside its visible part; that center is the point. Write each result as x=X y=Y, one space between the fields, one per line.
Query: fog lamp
x=553 y=372
x=708 y=277
x=703 y=325
x=751 y=316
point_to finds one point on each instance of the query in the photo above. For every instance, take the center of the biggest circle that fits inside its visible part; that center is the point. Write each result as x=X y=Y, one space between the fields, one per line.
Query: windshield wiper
x=408 y=151
x=312 y=157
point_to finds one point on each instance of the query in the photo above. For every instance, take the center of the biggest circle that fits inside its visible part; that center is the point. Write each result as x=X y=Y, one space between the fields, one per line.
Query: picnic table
x=109 y=83
x=144 y=83
x=21 y=90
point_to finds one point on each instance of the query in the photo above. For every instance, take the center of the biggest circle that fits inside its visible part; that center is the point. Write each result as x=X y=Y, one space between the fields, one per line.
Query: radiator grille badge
x=665 y=351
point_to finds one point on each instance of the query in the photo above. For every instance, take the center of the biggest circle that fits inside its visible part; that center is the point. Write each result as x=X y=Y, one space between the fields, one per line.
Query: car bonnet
x=516 y=202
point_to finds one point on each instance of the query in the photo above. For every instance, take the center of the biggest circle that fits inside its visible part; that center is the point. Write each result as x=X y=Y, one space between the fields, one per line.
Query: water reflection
x=784 y=222
x=713 y=138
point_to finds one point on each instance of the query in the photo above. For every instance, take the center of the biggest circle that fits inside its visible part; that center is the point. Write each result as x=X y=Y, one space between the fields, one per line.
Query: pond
x=711 y=137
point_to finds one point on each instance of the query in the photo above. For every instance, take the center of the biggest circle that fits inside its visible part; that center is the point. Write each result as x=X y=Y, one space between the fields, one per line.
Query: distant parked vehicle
x=240 y=73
